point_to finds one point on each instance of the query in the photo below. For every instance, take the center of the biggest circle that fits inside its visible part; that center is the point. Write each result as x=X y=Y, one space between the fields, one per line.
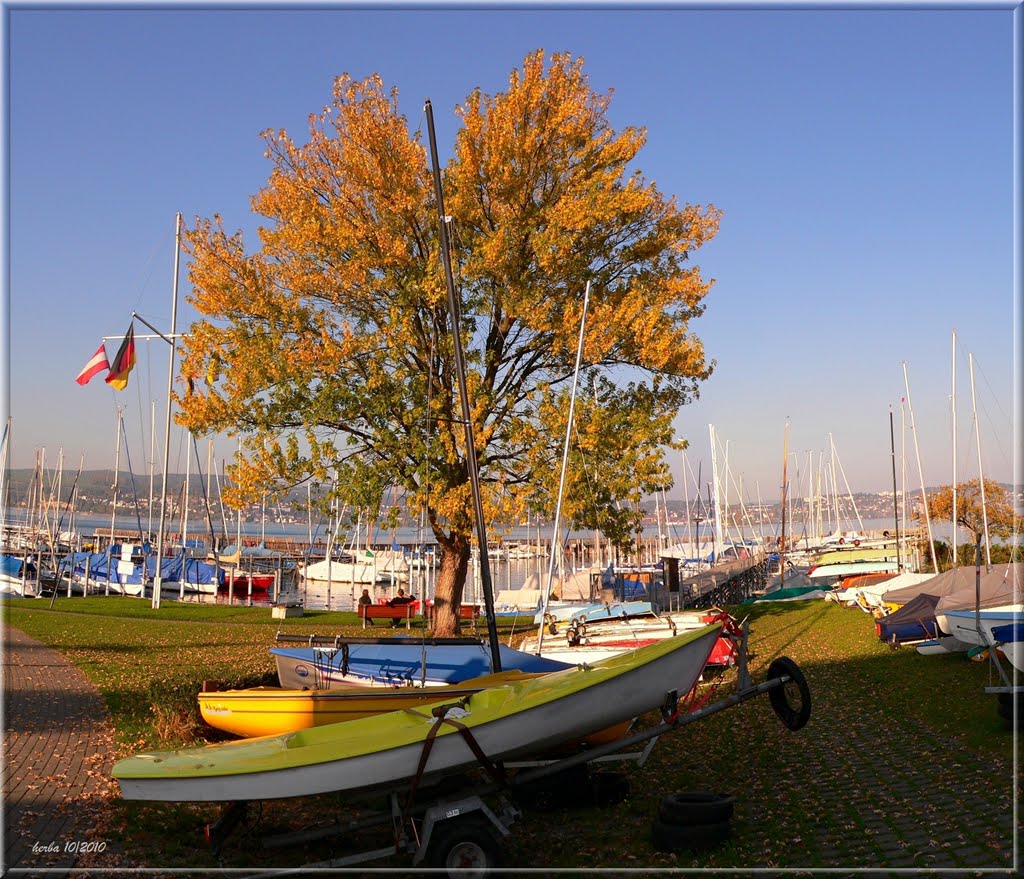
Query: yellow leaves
x=327 y=337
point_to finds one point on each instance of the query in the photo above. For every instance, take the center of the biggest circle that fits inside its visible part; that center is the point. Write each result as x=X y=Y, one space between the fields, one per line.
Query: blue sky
x=863 y=159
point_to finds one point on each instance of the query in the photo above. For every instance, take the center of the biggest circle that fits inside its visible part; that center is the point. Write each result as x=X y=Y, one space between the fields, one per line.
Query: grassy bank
x=805 y=799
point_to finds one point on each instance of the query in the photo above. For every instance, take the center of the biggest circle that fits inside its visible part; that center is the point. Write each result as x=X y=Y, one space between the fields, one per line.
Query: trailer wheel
x=570 y=788
x=465 y=847
x=791 y=701
x=696 y=807
x=693 y=837
x=609 y=788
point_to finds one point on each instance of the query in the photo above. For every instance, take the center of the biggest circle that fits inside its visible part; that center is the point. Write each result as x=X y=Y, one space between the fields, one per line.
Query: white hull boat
x=512 y=721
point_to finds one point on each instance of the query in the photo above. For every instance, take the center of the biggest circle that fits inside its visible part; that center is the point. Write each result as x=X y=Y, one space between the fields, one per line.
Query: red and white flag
x=97 y=364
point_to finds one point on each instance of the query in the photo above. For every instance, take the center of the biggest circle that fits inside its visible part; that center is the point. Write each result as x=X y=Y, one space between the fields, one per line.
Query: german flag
x=123 y=361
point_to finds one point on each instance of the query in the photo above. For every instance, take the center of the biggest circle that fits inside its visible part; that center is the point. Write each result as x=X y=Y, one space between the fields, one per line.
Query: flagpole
x=167 y=420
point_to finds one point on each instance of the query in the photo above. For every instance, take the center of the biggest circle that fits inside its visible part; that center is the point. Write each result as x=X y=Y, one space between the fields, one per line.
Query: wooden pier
x=725 y=584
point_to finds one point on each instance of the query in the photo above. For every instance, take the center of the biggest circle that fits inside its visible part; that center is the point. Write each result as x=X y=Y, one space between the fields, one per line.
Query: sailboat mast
x=467 y=415
x=717 y=508
x=920 y=473
x=117 y=468
x=782 y=539
x=167 y=420
x=152 y=464
x=895 y=501
x=953 y=405
x=686 y=507
x=185 y=491
x=556 y=539
x=981 y=471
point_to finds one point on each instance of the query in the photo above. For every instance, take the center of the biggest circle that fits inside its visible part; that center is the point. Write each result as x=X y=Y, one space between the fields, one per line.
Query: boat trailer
x=458 y=831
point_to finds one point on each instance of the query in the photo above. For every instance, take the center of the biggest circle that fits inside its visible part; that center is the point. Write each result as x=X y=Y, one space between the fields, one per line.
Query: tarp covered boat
x=796 y=593
x=915 y=621
x=198 y=576
x=511 y=721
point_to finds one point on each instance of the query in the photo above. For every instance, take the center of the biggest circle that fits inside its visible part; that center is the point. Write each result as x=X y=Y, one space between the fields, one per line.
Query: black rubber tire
x=695 y=837
x=696 y=808
x=609 y=788
x=794 y=717
x=466 y=847
x=1004 y=707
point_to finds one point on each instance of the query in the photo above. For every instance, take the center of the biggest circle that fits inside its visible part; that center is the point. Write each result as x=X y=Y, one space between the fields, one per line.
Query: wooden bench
x=466 y=612
x=387 y=612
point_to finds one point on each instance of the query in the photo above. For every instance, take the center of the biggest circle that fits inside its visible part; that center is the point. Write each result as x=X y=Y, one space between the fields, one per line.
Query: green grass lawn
x=805 y=798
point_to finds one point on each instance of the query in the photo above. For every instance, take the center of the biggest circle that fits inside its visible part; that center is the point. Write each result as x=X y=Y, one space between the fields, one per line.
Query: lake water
x=505 y=573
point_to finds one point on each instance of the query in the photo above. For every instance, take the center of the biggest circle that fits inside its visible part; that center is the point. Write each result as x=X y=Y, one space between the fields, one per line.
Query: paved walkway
x=56 y=759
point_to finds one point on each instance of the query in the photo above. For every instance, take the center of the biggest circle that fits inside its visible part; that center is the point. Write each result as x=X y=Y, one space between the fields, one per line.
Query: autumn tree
x=328 y=350
x=970 y=515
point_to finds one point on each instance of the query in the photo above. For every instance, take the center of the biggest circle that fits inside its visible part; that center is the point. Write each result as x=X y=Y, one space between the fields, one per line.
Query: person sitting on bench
x=365 y=600
x=398 y=601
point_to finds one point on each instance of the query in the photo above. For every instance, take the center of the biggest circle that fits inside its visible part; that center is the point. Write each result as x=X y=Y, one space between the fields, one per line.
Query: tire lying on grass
x=692 y=821
x=696 y=807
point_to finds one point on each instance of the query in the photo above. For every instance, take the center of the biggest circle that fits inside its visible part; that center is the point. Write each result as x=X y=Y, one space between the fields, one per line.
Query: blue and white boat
x=596 y=610
x=973 y=612
x=1010 y=639
x=396 y=662
x=16 y=576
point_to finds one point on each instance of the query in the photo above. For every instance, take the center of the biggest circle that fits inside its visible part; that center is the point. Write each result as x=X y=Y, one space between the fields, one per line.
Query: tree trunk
x=451 y=581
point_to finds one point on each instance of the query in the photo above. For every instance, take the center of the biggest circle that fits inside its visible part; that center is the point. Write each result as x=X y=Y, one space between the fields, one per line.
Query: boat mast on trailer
x=467 y=414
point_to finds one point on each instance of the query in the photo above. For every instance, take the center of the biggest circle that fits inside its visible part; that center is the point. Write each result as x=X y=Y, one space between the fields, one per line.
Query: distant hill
x=95 y=493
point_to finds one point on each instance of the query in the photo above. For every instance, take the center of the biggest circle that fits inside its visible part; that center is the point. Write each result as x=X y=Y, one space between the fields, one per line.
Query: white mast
x=238 y=515
x=846 y=482
x=920 y=472
x=686 y=502
x=718 y=541
x=167 y=420
x=184 y=514
x=903 y=470
x=981 y=471
x=556 y=544
x=117 y=468
x=953 y=405
x=152 y=465
x=782 y=533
